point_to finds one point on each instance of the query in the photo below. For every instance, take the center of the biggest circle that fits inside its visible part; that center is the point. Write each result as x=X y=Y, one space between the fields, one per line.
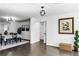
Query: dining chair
x=19 y=37
x=14 y=37
x=1 y=40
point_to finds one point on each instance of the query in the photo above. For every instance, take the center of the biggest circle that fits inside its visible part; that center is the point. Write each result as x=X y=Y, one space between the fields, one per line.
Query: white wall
x=4 y=26
x=25 y=34
x=23 y=23
x=53 y=38
x=35 y=30
x=13 y=26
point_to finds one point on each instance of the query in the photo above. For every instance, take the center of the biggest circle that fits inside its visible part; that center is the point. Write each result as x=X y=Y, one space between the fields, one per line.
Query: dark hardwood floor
x=37 y=49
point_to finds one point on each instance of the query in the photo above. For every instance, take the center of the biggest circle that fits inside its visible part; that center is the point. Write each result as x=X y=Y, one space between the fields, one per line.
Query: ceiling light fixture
x=42 y=12
x=9 y=18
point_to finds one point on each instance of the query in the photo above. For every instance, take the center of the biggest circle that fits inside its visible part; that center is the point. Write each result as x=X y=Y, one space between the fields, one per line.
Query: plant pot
x=76 y=49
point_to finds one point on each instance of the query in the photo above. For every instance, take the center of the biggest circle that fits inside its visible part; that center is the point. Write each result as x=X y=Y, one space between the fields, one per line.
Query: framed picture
x=23 y=27
x=66 y=25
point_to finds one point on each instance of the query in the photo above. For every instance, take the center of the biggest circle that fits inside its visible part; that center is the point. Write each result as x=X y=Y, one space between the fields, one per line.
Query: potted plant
x=19 y=30
x=76 y=42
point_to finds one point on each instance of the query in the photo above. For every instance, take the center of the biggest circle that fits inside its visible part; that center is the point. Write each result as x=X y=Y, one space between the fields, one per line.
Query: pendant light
x=42 y=12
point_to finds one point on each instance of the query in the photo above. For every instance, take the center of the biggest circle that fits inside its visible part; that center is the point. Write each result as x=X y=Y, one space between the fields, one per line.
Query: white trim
x=32 y=42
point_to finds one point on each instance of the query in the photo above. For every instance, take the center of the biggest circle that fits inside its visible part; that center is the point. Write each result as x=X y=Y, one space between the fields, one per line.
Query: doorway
x=43 y=32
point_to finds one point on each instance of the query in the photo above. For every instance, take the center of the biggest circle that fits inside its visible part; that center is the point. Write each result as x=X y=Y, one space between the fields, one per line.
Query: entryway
x=43 y=31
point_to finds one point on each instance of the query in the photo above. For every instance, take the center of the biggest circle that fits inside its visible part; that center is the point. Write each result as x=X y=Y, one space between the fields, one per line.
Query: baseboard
x=26 y=39
x=32 y=42
x=53 y=46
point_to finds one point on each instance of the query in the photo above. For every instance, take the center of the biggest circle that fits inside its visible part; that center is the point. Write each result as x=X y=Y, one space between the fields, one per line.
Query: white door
x=43 y=31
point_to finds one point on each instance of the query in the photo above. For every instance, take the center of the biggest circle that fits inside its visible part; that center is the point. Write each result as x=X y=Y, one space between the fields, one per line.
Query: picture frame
x=23 y=27
x=66 y=25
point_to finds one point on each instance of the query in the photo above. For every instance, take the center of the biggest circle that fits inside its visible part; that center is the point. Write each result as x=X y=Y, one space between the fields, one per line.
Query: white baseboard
x=51 y=44
x=32 y=42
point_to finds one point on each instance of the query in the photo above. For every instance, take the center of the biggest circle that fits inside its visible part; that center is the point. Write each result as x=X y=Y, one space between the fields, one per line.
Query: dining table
x=7 y=37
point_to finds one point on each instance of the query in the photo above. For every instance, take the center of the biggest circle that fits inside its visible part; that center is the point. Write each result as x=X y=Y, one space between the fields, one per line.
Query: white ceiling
x=27 y=10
